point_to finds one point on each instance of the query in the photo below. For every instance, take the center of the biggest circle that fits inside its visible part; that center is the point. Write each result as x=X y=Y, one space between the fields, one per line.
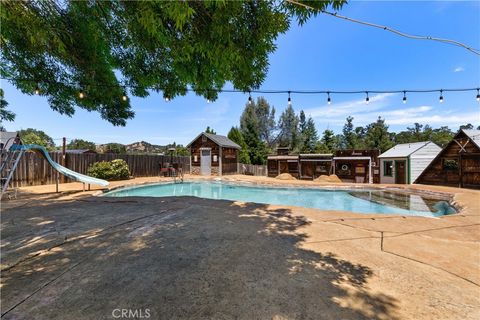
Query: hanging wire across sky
x=397 y=32
x=82 y=93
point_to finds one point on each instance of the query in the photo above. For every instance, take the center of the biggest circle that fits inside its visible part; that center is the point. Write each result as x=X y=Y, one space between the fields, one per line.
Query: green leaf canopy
x=105 y=49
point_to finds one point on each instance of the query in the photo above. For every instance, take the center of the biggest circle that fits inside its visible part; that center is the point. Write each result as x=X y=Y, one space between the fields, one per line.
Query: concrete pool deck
x=75 y=256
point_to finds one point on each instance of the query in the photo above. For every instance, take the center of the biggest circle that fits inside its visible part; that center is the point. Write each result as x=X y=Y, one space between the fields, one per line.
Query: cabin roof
x=404 y=149
x=316 y=155
x=283 y=157
x=474 y=135
x=222 y=141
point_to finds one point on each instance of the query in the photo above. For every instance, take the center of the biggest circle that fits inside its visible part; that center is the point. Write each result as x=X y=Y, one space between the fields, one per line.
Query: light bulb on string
x=166 y=98
x=37 y=90
x=289 y=99
x=404 y=97
x=367 y=99
x=478 y=94
x=124 y=96
x=441 y=96
x=329 y=101
x=249 y=98
x=81 y=94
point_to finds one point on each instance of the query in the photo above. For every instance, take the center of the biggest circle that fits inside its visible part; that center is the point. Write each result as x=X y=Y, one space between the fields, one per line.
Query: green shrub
x=113 y=170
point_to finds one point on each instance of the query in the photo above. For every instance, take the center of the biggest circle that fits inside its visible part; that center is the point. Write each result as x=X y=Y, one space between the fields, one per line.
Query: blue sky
x=324 y=54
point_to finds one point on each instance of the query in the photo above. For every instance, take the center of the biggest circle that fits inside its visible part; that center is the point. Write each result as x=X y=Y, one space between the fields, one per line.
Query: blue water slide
x=65 y=171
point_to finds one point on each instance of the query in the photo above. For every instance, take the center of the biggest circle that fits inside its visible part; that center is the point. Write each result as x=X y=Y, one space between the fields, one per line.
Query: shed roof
x=316 y=155
x=404 y=149
x=222 y=141
x=474 y=135
x=283 y=157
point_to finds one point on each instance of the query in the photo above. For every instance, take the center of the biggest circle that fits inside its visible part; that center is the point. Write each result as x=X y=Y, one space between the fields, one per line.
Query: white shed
x=405 y=162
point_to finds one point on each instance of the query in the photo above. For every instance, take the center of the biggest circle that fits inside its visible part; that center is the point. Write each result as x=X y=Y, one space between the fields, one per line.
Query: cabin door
x=400 y=171
x=205 y=162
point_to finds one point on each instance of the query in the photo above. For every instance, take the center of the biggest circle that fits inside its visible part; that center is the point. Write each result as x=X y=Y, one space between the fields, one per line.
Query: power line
x=397 y=32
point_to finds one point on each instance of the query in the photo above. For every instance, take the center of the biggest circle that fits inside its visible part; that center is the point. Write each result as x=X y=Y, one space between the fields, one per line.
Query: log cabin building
x=213 y=154
x=359 y=166
x=458 y=164
x=349 y=165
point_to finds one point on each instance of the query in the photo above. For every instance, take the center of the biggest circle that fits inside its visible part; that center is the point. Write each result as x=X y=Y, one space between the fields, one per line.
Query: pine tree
x=349 y=136
x=236 y=136
x=377 y=136
x=210 y=130
x=309 y=136
x=327 y=143
x=288 y=126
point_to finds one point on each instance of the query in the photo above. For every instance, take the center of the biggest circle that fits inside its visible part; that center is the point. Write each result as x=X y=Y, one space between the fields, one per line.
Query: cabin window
x=450 y=164
x=388 y=168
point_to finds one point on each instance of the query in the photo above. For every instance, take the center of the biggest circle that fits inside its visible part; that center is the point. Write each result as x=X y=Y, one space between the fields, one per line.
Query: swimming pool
x=355 y=200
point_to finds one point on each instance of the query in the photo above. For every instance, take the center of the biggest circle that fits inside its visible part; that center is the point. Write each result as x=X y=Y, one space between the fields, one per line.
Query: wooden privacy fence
x=252 y=169
x=34 y=170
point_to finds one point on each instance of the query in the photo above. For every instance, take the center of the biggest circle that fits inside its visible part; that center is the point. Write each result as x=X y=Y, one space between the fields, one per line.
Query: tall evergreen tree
x=377 y=136
x=266 y=120
x=257 y=150
x=349 y=135
x=249 y=128
x=236 y=136
x=288 y=127
x=327 y=143
x=309 y=136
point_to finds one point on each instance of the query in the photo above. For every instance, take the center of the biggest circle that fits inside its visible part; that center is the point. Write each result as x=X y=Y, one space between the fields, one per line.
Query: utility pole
x=64 y=146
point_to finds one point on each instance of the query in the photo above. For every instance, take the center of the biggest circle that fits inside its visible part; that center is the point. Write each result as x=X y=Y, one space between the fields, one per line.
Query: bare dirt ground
x=76 y=256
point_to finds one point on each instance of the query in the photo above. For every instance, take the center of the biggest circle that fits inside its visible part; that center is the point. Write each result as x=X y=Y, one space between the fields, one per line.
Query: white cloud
x=338 y=111
x=393 y=112
x=459 y=69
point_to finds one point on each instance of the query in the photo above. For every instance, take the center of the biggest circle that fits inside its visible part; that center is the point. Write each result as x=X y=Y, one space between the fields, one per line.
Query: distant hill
x=136 y=147
x=145 y=147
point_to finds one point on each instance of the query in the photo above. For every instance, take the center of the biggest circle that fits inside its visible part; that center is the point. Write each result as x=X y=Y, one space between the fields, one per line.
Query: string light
x=249 y=98
x=124 y=97
x=367 y=99
x=82 y=94
x=404 y=97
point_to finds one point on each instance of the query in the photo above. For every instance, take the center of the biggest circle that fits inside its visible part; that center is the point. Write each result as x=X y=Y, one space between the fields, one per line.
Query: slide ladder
x=9 y=163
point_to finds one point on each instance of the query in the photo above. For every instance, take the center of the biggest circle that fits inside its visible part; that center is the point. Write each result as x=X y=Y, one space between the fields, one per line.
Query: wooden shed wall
x=195 y=150
x=467 y=173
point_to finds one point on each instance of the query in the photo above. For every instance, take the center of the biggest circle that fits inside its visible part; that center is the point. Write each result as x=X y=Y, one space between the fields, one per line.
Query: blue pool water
x=361 y=201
